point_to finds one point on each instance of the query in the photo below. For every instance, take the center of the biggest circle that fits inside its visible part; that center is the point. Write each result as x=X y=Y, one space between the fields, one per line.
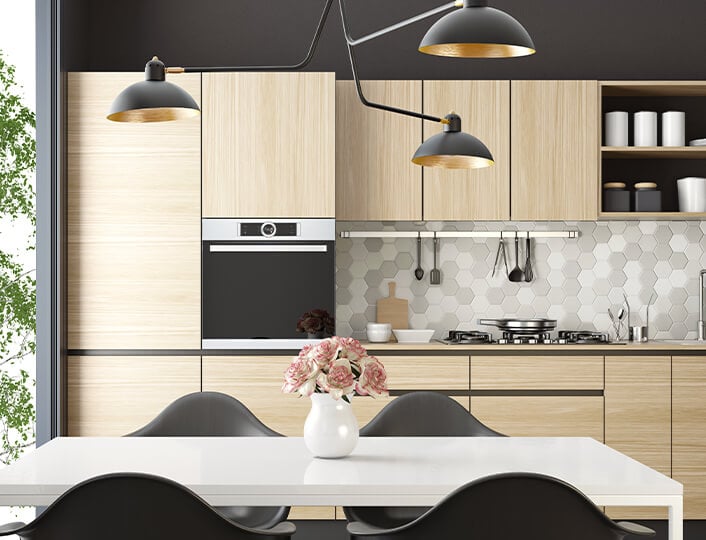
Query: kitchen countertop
x=656 y=346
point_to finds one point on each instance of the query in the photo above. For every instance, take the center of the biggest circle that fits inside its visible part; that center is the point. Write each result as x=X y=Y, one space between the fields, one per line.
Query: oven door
x=255 y=292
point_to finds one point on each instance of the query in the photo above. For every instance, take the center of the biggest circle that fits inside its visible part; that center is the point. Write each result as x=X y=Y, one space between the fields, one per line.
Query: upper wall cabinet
x=375 y=177
x=268 y=145
x=479 y=194
x=555 y=142
x=134 y=227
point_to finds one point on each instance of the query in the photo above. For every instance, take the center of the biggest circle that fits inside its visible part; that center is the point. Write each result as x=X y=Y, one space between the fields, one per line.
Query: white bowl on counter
x=413 y=336
x=379 y=332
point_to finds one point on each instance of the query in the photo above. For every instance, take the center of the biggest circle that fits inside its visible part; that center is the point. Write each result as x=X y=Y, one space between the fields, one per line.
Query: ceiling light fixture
x=473 y=31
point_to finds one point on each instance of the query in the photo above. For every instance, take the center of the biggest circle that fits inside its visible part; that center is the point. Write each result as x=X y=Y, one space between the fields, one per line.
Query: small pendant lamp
x=477 y=31
x=153 y=100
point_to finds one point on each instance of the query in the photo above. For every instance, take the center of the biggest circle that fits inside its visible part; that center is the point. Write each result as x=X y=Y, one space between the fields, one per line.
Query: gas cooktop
x=564 y=337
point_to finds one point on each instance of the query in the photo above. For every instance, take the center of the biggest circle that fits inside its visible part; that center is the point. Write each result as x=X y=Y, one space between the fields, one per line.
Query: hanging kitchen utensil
x=435 y=274
x=529 y=274
x=419 y=272
x=497 y=255
x=516 y=275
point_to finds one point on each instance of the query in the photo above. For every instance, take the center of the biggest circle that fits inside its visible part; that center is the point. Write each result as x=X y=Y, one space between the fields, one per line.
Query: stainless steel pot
x=521 y=326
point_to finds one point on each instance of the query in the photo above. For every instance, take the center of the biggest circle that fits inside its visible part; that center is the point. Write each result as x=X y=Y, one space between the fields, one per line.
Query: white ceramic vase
x=330 y=430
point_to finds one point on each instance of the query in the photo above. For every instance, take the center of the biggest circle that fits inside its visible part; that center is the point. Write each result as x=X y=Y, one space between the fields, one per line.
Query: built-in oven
x=260 y=276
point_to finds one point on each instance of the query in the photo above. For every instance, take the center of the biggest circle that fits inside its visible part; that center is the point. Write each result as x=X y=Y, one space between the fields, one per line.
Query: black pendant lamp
x=153 y=100
x=453 y=149
x=477 y=31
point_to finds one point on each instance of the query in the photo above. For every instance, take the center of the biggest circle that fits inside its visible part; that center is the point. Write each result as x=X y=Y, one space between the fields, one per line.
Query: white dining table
x=399 y=471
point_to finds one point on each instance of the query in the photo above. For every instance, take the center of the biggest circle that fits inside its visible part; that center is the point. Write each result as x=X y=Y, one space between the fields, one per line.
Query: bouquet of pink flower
x=337 y=366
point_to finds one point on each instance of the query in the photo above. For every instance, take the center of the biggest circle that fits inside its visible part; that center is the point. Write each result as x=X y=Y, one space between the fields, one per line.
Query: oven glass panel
x=259 y=291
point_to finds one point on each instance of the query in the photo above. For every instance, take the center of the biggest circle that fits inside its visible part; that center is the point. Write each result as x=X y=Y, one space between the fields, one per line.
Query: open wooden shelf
x=653 y=88
x=627 y=216
x=654 y=152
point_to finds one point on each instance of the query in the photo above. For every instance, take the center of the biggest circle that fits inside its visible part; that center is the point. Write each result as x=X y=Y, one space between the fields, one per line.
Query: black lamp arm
x=354 y=68
x=293 y=67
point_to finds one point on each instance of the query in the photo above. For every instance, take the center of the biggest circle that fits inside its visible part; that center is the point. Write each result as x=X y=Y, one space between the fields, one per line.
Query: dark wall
x=576 y=39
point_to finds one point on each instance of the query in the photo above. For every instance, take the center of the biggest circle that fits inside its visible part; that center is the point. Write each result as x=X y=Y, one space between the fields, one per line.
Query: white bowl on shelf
x=413 y=336
x=379 y=332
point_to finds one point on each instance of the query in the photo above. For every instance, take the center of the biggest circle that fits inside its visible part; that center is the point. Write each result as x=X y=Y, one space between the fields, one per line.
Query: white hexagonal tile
x=632 y=269
x=616 y=243
x=525 y=295
x=678 y=243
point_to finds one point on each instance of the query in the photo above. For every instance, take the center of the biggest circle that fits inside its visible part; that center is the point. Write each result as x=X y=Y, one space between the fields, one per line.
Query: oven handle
x=260 y=248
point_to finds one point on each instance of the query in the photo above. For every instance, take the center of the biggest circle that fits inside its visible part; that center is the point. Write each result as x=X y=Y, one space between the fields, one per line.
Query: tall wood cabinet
x=134 y=222
x=689 y=432
x=268 y=145
x=555 y=150
x=375 y=177
x=476 y=194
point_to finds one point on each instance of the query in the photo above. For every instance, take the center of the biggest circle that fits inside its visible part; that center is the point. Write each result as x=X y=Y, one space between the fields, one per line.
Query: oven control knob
x=268 y=229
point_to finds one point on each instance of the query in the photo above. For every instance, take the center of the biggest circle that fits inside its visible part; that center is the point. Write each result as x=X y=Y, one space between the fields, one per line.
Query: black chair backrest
x=511 y=506
x=134 y=506
x=213 y=414
x=205 y=414
x=425 y=414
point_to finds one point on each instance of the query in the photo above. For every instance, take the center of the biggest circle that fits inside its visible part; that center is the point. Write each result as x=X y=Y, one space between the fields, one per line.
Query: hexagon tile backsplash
x=576 y=280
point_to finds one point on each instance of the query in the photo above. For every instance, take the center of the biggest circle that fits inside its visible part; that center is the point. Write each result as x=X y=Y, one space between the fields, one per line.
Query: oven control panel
x=268 y=229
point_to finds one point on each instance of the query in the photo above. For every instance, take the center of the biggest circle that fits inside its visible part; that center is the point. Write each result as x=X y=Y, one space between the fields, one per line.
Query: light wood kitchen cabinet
x=638 y=416
x=521 y=395
x=375 y=177
x=115 y=395
x=555 y=150
x=476 y=194
x=133 y=222
x=689 y=432
x=269 y=145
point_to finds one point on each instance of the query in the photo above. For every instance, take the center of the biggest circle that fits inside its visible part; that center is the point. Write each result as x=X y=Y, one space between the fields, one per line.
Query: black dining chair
x=416 y=414
x=139 y=507
x=213 y=414
x=509 y=507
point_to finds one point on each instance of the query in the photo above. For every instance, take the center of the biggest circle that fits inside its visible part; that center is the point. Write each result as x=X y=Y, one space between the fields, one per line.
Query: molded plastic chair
x=212 y=414
x=509 y=507
x=417 y=414
x=138 y=507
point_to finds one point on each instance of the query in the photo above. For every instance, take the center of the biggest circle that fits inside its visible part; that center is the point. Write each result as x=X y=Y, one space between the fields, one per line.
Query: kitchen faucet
x=701 y=330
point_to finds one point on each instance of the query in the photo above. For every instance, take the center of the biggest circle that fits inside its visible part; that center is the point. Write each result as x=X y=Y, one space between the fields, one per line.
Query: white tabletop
x=381 y=471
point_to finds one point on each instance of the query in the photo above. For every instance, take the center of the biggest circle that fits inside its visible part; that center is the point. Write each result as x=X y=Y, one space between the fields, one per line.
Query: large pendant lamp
x=153 y=100
x=477 y=31
x=474 y=30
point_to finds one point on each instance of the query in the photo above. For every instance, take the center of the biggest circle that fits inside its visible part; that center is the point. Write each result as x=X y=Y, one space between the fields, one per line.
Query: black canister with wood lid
x=615 y=197
x=647 y=197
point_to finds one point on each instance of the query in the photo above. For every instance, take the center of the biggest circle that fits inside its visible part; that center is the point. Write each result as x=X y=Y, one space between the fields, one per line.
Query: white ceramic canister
x=616 y=128
x=673 y=128
x=646 y=128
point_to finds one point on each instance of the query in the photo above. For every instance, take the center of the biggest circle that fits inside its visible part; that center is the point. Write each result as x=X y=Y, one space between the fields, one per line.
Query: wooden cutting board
x=393 y=310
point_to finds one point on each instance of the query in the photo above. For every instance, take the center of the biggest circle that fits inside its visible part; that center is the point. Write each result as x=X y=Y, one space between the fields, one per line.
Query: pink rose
x=373 y=379
x=352 y=349
x=339 y=380
x=324 y=352
x=300 y=377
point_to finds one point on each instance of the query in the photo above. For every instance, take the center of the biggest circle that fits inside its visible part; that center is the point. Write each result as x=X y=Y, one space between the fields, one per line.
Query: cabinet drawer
x=536 y=373
x=111 y=396
x=541 y=416
x=426 y=372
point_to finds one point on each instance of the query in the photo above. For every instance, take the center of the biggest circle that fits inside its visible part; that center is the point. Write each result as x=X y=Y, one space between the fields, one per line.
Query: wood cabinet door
x=133 y=222
x=689 y=432
x=111 y=396
x=638 y=417
x=555 y=144
x=375 y=177
x=268 y=145
x=476 y=194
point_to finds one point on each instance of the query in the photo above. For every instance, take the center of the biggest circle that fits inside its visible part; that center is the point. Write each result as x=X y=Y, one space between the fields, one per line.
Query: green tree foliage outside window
x=17 y=283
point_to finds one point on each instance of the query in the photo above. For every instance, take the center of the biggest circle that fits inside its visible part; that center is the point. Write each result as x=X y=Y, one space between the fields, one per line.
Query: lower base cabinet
x=689 y=431
x=115 y=395
x=638 y=417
